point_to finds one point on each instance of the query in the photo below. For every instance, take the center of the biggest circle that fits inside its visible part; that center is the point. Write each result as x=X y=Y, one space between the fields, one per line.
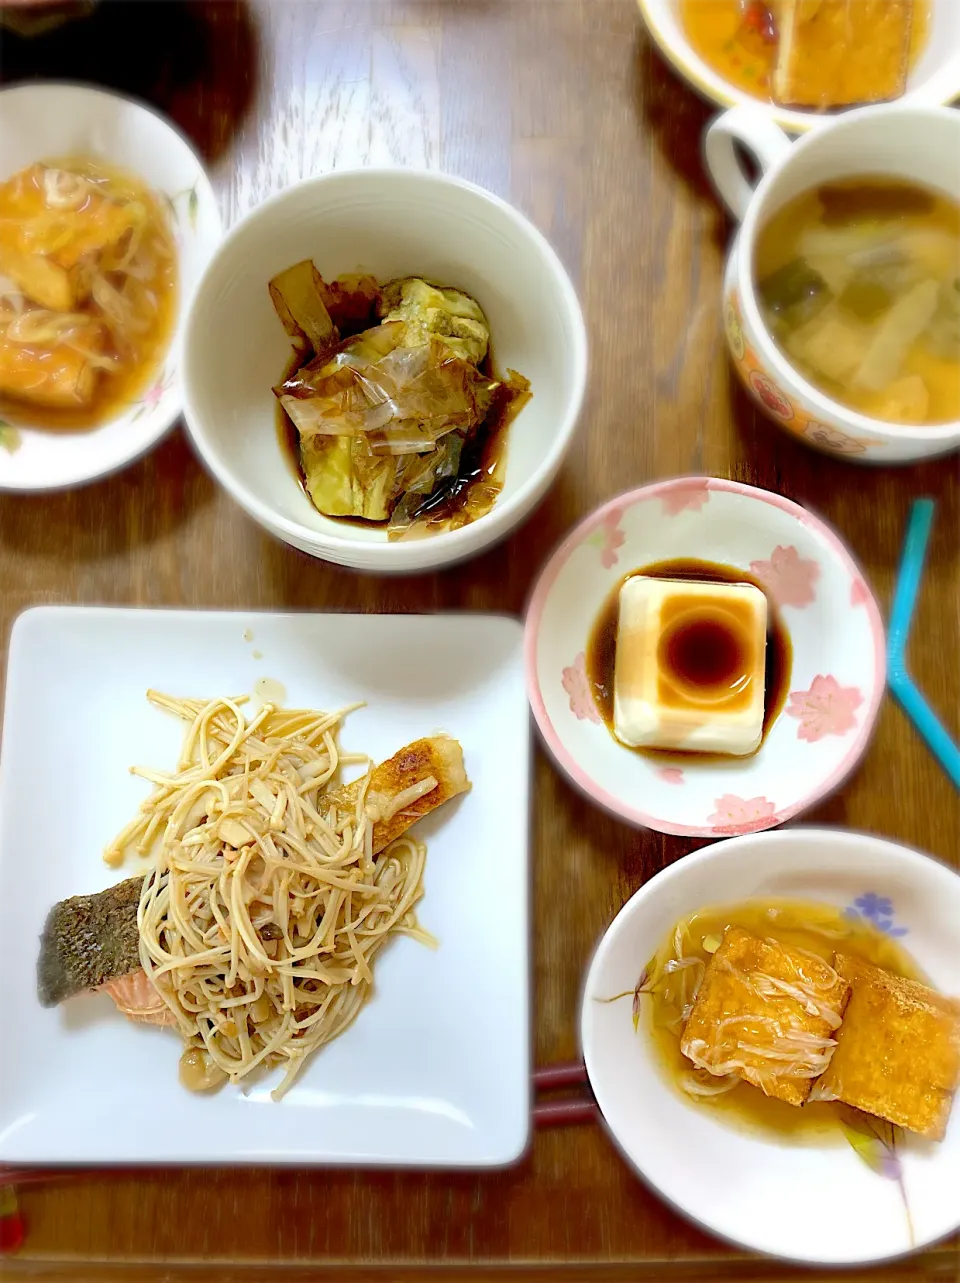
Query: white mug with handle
x=898 y=142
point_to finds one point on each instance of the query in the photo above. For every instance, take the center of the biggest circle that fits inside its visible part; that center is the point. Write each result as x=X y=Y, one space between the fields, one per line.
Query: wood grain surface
x=563 y=107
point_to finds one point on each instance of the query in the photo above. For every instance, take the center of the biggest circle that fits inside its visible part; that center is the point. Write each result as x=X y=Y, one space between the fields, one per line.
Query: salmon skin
x=89 y=940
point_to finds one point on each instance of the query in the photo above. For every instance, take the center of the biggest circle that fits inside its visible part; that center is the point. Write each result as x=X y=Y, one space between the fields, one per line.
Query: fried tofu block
x=44 y=281
x=898 y=1050
x=439 y=758
x=60 y=378
x=766 y=1012
x=836 y=53
x=48 y=254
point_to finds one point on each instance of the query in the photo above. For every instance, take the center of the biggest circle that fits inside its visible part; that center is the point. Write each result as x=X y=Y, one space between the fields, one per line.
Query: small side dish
x=812 y=54
x=397 y=415
x=859 y=284
x=762 y=957
x=88 y=291
x=799 y=1003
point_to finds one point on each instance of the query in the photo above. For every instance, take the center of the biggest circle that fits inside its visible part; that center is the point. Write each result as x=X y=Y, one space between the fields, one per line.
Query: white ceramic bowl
x=813 y=1203
x=836 y=683
x=390 y=222
x=934 y=81
x=47 y=121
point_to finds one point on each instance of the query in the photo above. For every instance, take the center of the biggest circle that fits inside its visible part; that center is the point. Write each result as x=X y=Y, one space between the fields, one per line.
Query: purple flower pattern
x=876 y=909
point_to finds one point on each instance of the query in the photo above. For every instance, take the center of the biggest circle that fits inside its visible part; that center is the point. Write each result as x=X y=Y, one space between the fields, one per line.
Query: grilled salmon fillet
x=439 y=757
x=92 y=941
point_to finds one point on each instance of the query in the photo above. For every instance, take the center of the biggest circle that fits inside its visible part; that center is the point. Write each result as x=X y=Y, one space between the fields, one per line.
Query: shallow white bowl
x=836 y=683
x=47 y=121
x=934 y=81
x=815 y=1203
x=390 y=222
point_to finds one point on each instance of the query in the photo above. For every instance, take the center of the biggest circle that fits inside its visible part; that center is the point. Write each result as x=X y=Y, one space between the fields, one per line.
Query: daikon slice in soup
x=858 y=283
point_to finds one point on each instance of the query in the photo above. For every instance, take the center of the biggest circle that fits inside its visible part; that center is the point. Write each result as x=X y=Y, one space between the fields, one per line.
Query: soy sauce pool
x=601 y=650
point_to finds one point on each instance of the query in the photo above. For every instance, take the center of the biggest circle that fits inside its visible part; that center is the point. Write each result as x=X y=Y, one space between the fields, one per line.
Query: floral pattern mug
x=915 y=143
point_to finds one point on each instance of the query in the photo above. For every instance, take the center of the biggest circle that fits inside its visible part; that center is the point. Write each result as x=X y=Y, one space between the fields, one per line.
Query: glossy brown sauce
x=712 y=648
x=820 y=929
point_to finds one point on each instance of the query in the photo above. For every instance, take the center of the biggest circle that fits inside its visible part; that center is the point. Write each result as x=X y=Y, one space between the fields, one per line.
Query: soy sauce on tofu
x=859 y=285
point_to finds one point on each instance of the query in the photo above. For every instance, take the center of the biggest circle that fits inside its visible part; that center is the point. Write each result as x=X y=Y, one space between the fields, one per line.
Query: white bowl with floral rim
x=823 y=1201
x=835 y=685
x=48 y=121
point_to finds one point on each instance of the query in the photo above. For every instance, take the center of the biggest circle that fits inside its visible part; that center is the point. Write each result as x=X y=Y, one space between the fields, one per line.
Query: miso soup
x=858 y=283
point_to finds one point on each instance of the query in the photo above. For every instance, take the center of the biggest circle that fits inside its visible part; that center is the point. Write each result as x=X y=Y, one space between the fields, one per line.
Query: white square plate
x=435 y=1070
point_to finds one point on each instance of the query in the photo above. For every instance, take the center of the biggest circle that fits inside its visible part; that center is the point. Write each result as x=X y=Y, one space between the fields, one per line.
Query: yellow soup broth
x=858 y=283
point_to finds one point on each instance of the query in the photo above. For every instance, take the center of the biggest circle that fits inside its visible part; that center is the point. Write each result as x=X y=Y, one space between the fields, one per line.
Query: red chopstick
x=581 y=1108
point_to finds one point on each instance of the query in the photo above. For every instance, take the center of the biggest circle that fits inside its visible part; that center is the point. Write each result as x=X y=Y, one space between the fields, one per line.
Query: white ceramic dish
x=916 y=144
x=934 y=81
x=390 y=222
x=435 y=1070
x=46 y=121
x=814 y=1203
x=834 y=624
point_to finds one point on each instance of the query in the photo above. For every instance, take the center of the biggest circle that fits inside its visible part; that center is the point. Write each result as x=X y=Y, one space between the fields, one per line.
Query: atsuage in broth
x=859 y=285
x=818 y=928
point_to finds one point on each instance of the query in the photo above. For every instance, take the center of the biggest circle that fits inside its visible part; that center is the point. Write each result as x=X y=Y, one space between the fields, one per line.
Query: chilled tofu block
x=836 y=53
x=898 y=1050
x=689 y=668
x=767 y=1013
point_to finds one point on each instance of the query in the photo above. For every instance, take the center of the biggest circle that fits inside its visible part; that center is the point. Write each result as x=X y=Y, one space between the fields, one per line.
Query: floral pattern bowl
x=45 y=121
x=866 y=1192
x=835 y=685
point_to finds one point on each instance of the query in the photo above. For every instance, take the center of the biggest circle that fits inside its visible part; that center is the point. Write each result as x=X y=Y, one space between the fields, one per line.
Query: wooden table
x=563 y=107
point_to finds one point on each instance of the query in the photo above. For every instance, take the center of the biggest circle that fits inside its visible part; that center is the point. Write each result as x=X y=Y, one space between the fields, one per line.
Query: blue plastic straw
x=908 y=585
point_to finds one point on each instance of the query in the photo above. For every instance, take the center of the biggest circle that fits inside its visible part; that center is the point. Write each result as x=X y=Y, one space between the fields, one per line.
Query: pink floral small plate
x=836 y=681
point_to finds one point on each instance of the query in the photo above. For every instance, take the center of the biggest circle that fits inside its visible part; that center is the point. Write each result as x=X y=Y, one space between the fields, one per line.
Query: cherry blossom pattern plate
x=836 y=682
x=45 y=121
x=852 y=1197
